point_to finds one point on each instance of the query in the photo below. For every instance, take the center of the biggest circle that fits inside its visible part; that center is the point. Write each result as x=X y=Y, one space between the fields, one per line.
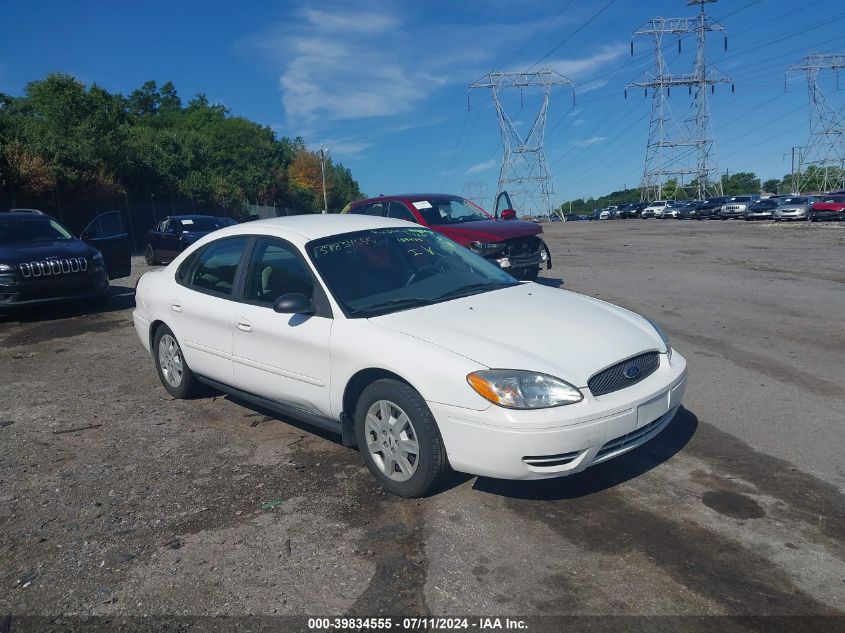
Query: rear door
x=107 y=233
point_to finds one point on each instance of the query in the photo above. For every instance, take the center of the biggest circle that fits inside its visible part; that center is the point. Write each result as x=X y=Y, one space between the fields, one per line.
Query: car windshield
x=832 y=199
x=38 y=228
x=437 y=211
x=204 y=225
x=793 y=201
x=740 y=199
x=385 y=270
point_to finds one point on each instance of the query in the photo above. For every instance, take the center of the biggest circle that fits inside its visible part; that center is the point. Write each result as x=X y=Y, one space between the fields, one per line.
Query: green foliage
x=64 y=143
x=740 y=182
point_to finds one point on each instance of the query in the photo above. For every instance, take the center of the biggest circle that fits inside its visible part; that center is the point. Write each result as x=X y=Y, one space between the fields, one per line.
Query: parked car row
x=742 y=207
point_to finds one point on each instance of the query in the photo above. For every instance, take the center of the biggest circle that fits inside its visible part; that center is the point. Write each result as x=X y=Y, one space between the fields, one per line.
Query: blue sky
x=384 y=84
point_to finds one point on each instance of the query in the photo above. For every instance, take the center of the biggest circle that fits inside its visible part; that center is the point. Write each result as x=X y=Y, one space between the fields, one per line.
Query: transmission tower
x=680 y=150
x=825 y=150
x=477 y=192
x=524 y=173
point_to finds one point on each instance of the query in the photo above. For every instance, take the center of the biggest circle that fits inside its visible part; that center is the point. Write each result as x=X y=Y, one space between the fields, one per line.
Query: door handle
x=175 y=306
x=244 y=325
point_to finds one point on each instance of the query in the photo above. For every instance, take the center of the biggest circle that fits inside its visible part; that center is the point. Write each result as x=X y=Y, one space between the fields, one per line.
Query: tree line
x=65 y=145
x=811 y=180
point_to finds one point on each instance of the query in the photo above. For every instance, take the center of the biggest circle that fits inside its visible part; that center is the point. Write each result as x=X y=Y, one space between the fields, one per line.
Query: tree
x=772 y=186
x=740 y=182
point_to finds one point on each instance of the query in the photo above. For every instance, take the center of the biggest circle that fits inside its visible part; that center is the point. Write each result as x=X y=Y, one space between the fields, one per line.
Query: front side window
x=274 y=270
x=215 y=269
x=29 y=230
x=437 y=211
x=384 y=270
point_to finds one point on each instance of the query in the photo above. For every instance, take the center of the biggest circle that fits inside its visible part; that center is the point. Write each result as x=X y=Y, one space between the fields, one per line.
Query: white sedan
x=423 y=354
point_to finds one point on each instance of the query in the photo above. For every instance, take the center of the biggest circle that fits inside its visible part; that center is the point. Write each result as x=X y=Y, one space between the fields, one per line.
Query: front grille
x=523 y=246
x=628 y=372
x=631 y=438
x=54 y=267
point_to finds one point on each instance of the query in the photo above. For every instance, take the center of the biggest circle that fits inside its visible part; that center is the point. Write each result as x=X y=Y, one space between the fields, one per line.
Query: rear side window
x=400 y=212
x=378 y=209
x=213 y=270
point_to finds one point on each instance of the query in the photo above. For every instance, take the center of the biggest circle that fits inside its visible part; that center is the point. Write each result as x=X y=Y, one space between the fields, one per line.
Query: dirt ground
x=736 y=509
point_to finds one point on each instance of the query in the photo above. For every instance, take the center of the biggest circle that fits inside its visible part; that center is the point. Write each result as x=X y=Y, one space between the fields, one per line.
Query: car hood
x=28 y=252
x=531 y=327
x=488 y=230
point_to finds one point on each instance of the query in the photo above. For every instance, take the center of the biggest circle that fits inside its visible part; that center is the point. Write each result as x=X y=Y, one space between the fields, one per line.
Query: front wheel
x=531 y=274
x=399 y=439
x=173 y=370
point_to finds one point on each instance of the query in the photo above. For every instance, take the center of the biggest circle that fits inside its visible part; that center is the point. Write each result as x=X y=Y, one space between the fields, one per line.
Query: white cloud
x=345 y=147
x=481 y=167
x=591 y=85
x=583 y=67
x=345 y=63
x=578 y=122
x=587 y=142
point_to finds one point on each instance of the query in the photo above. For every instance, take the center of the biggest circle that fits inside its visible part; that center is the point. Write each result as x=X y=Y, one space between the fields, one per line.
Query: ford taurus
x=410 y=347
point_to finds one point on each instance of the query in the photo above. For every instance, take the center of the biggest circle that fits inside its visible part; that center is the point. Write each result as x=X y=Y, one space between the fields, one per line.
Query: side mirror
x=507 y=214
x=293 y=303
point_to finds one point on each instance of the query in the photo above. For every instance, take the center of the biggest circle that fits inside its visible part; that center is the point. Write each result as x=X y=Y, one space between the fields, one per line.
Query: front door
x=281 y=357
x=503 y=201
x=108 y=235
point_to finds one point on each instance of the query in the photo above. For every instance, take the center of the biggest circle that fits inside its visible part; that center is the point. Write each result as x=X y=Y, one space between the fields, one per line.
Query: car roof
x=25 y=215
x=194 y=216
x=411 y=197
x=304 y=228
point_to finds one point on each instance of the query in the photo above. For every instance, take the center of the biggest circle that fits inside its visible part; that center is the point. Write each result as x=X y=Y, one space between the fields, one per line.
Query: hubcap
x=392 y=440
x=170 y=360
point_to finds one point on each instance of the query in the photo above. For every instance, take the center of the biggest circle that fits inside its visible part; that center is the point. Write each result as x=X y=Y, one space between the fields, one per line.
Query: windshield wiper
x=472 y=288
x=401 y=302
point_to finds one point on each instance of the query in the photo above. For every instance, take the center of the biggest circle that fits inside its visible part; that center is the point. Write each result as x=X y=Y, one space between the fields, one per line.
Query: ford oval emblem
x=631 y=372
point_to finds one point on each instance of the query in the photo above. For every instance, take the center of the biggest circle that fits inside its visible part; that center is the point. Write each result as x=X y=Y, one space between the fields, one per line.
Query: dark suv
x=514 y=245
x=43 y=262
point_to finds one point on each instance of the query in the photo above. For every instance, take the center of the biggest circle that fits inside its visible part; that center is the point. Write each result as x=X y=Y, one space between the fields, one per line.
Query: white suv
x=656 y=208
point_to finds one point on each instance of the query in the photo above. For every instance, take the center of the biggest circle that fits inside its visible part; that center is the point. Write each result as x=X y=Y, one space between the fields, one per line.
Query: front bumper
x=791 y=214
x=16 y=292
x=561 y=441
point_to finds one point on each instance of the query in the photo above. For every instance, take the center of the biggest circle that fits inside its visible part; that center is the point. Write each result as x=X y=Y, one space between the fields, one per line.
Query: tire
x=168 y=357
x=150 y=255
x=392 y=398
x=531 y=274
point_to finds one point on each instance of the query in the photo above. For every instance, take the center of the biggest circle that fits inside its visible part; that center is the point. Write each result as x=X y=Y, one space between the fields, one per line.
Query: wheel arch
x=355 y=386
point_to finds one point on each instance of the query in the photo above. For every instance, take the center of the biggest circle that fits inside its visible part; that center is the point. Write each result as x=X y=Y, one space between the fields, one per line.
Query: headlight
x=664 y=337
x=517 y=389
x=5 y=268
x=486 y=246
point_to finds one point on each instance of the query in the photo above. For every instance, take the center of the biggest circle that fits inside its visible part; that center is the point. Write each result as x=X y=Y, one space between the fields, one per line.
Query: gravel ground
x=736 y=509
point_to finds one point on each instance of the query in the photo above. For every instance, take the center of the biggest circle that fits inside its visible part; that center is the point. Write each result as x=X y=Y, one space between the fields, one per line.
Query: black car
x=709 y=209
x=689 y=210
x=762 y=209
x=175 y=233
x=43 y=262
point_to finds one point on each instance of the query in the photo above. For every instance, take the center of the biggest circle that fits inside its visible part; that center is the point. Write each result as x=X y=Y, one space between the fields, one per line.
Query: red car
x=828 y=207
x=514 y=245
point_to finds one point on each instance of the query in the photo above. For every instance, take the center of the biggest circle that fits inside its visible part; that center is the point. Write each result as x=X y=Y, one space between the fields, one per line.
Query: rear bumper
x=535 y=445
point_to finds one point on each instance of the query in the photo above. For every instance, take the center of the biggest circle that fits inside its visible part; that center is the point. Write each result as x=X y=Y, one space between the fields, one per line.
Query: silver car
x=736 y=206
x=795 y=208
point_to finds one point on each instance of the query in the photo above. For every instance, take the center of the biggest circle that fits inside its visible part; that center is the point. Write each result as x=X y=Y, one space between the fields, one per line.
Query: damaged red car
x=515 y=245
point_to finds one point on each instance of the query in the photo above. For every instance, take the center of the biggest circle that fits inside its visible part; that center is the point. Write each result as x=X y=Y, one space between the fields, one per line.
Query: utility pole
x=669 y=140
x=524 y=173
x=825 y=150
x=793 y=181
x=323 y=170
